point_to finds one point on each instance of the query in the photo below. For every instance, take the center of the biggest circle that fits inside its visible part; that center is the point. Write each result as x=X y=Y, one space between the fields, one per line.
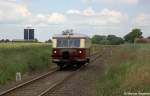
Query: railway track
x=41 y=85
x=55 y=86
x=52 y=89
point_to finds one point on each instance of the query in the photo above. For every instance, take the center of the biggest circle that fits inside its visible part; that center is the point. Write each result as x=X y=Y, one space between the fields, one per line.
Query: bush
x=107 y=40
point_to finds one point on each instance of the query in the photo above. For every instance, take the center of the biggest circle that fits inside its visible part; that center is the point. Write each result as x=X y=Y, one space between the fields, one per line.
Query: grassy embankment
x=127 y=70
x=24 y=58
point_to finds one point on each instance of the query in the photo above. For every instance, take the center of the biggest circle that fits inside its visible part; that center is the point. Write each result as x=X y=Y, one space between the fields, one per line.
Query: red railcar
x=71 y=49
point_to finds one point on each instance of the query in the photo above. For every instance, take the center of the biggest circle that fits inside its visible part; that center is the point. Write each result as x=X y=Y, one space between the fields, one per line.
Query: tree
x=2 y=40
x=36 y=40
x=98 y=39
x=114 y=40
x=135 y=33
x=107 y=40
x=7 y=40
x=48 y=41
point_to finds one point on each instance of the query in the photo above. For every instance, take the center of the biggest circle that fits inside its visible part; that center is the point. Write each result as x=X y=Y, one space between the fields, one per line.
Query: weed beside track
x=127 y=70
x=24 y=58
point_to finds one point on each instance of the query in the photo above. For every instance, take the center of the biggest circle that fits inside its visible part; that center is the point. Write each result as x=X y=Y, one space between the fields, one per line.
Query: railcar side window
x=71 y=43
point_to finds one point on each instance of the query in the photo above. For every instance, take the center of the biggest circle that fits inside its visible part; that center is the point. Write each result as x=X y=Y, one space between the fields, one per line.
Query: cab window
x=68 y=43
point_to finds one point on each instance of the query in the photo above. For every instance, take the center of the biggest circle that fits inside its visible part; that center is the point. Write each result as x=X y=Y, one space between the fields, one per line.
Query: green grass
x=24 y=58
x=127 y=70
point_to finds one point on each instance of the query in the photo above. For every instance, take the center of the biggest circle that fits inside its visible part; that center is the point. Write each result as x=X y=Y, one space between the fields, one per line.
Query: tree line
x=19 y=41
x=114 y=40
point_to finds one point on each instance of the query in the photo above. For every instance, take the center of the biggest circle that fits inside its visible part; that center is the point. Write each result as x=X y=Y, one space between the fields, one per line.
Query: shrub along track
x=43 y=84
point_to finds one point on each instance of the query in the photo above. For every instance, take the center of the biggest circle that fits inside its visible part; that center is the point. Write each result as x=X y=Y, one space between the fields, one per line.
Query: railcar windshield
x=68 y=43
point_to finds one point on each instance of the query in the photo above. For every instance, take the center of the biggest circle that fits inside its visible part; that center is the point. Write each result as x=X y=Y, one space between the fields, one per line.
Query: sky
x=88 y=17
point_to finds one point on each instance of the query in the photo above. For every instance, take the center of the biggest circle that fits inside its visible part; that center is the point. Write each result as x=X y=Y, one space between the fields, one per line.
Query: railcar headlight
x=80 y=51
x=55 y=51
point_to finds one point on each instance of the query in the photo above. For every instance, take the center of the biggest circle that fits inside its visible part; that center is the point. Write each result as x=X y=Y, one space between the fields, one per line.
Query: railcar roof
x=70 y=36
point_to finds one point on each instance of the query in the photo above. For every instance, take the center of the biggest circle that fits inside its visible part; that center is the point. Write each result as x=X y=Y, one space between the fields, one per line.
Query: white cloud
x=142 y=20
x=9 y=0
x=14 y=13
x=45 y=19
x=73 y=11
x=89 y=12
x=10 y=11
x=90 y=17
x=23 y=11
x=56 y=18
x=131 y=2
x=122 y=1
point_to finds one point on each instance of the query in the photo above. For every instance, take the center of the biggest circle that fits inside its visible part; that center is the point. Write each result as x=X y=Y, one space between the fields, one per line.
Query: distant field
x=127 y=70
x=24 y=58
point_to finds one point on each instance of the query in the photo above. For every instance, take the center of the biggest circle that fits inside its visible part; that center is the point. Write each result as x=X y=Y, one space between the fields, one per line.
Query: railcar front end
x=69 y=51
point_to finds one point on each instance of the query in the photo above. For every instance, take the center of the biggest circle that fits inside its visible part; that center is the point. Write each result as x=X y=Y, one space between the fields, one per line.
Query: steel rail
x=57 y=84
x=28 y=82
